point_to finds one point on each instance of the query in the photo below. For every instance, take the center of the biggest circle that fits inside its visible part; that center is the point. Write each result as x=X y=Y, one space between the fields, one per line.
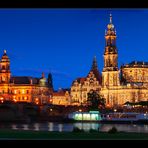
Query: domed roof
x=110 y=26
x=5 y=58
x=42 y=80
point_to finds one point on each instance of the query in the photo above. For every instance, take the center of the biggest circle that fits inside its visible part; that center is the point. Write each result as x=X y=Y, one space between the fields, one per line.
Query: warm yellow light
x=115 y=110
x=15 y=100
x=23 y=91
x=80 y=110
x=25 y=98
x=1 y=98
x=51 y=109
x=15 y=91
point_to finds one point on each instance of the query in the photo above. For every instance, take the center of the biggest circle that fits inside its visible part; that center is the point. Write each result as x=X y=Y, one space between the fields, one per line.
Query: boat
x=85 y=116
x=114 y=117
x=125 y=117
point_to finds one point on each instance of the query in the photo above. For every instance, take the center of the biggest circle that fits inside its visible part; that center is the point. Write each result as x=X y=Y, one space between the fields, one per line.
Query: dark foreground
x=46 y=135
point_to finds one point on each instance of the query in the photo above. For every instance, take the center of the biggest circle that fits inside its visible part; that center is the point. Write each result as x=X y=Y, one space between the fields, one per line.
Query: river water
x=53 y=126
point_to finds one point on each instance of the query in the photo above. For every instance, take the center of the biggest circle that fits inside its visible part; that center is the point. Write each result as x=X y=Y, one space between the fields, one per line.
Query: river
x=53 y=126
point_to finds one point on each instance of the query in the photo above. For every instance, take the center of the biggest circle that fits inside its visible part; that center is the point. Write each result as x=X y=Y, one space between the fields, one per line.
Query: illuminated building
x=81 y=86
x=61 y=97
x=129 y=83
x=22 y=88
x=119 y=85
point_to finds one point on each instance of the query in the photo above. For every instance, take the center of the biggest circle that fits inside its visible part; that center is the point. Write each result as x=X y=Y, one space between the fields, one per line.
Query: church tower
x=5 y=69
x=110 y=74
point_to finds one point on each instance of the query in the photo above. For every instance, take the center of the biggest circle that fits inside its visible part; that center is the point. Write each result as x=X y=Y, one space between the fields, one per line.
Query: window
x=3 y=67
x=27 y=92
x=15 y=91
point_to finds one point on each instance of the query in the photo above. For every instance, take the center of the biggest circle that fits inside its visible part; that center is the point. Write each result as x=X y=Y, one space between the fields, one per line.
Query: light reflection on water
x=51 y=126
x=87 y=126
x=25 y=127
x=36 y=126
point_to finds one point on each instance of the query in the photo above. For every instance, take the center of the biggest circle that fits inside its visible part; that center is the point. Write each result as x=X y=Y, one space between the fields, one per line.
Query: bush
x=113 y=130
x=93 y=131
x=75 y=129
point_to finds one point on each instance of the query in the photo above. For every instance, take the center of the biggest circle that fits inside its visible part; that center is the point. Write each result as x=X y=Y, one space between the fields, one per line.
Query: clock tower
x=5 y=69
x=110 y=74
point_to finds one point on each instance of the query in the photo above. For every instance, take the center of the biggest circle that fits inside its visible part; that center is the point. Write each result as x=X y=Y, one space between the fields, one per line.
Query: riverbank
x=6 y=134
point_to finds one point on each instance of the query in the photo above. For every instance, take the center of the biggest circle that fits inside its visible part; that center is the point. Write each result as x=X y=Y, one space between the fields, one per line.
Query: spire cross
x=4 y=51
x=110 y=18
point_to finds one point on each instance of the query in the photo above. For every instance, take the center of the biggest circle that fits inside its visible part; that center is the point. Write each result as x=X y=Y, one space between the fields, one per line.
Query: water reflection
x=87 y=126
x=14 y=127
x=25 y=127
x=51 y=126
x=36 y=126
x=60 y=127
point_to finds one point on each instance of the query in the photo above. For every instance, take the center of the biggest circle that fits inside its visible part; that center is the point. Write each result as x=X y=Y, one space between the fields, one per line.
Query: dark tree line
x=95 y=101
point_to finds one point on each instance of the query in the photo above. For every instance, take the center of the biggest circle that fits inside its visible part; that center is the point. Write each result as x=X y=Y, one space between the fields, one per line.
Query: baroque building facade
x=119 y=85
x=81 y=86
x=61 y=97
x=22 y=88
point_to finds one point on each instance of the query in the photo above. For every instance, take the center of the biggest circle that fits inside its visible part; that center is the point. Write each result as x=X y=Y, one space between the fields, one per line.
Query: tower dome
x=5 y=68
x=110 y=26
x=5 y=58
x=42 y=81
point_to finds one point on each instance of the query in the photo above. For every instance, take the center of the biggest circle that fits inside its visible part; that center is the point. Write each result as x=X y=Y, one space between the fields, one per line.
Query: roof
x=5 y=58
x=80 y=80
x=24 y=80
x=60 y=92
x=136 y=64
x=97 y=75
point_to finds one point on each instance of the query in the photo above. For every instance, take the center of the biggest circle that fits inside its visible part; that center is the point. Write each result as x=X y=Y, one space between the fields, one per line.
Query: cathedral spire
x=94 y=64
x=110 y=18
x=5 y=51
x=43 y=75
x=110 y=26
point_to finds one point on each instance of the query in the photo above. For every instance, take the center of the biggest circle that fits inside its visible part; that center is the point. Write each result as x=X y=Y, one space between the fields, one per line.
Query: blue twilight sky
x=64 y=41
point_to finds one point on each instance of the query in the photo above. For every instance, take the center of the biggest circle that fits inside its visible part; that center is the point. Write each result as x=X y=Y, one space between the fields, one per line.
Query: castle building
x=81 y=86
x=22 y=88
x=119 y=85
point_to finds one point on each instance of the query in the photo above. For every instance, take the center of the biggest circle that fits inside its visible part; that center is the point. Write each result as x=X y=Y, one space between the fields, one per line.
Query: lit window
x=23 y=91
x=15 y=91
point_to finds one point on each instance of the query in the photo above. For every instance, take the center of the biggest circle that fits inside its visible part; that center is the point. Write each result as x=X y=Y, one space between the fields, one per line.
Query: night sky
x=64 y=41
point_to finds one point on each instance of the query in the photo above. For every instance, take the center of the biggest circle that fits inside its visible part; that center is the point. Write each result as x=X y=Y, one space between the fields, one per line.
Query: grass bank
x=33 y=135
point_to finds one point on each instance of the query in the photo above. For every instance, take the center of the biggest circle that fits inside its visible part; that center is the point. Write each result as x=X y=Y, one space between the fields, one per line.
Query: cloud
x=54 y=72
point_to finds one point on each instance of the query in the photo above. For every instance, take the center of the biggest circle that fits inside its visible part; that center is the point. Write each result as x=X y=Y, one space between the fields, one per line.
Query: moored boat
x=125 y=117
x=85 y=116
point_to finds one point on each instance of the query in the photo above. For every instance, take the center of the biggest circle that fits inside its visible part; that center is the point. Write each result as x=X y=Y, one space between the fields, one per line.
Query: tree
x=95 y=100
